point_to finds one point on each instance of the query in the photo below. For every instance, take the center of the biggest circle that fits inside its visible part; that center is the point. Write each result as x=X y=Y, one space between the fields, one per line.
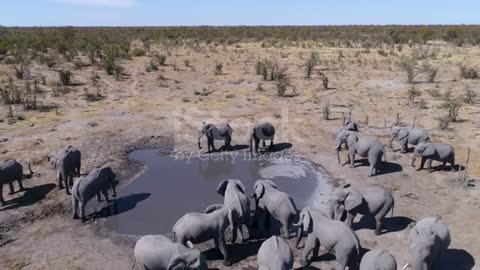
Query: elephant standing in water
x=406 y=136
x=332 y=236
x=233 y=192
x=275 y=254
x=364 y=146
x=10 y=171
x=378 y=259
x=196 y=228
x=100 y=180
x=216 y=132
x=262 y=132
x=428 y=240
x=68 y=162
x=372 y=201
x=434 y=151
x=157 y=252
x=271 y=201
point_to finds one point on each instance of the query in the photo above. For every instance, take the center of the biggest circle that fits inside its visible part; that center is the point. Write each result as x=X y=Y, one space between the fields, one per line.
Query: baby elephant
x=216 y=132
x=371 y=201
x=275 y=254
x=68 y=162
x=271 y=201
x=406 y=136
x=434 y=151
x=10 y=171
x=196 y=228
x=262 y=132
x=378 y=259
x=157 y=252
x=428 y=240
x=85 y=188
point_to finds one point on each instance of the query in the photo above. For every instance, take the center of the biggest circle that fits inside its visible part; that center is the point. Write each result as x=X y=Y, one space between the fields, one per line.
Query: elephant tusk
x=405 y=266
x=336 y=147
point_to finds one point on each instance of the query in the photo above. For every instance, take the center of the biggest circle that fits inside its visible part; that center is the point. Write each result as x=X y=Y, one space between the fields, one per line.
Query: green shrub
x=65 y=77
x=138 y=52
x=468 y=72
x=218 y=69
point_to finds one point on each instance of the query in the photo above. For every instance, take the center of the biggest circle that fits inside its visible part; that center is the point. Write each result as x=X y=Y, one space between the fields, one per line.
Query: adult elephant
x=428 y=240
x=157 y=252
x=434 y=151
x=275 y=254
x=332 y=236
x=68 y=162
x=408 y=136
x=363 y=145
x=378 y=259
x=11 y=171
x=269 y=200
x=262 y=132
x=235 y=198
x=373 y=201
x=214 y=132
x=100 y=180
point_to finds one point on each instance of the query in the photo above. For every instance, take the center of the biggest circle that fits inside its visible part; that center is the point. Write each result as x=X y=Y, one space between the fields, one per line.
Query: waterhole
x=173 y=185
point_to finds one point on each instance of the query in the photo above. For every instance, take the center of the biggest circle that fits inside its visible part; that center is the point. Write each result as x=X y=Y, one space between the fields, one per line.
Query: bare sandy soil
x=144 y=110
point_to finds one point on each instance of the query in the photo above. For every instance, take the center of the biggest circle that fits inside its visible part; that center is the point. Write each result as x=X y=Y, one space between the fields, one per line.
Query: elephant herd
x=326 y=230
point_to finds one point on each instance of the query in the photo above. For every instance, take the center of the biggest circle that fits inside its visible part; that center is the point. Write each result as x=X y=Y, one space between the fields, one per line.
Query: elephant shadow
x=122 y=205
x=458 y=259
x=391 y=224
x=386 y=167
x=30 y=196
x=278 y=147
x=236 y=147
x=237 y=252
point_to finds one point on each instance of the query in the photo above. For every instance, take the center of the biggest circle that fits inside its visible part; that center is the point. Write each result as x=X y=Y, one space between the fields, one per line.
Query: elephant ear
x=353 y=199
x=177 y=264
x=240 y=186
x=429 y=150
x=402 y=134
x=259 y=190
x=351 y=139
x=271 y=183
x=307 y=220
x=222 y=187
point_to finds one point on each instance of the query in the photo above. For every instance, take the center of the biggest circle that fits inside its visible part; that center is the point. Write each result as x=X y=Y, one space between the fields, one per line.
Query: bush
x=138 y=52
x=452 y=105
x=282 y=81
x=261 y=69
x=151 y=67
x=65 y=77
x=468 y=72
x=310 y=65
x=218 y=69
x=408 y=64
x=470 y=96
x=412 y=94
x=161 y=59
x=49 y=61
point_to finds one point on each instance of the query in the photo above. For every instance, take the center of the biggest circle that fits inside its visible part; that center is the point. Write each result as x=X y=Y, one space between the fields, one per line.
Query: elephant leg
x=67 y=186
x=271 y=142
x=75 y=207
x=60 y=180
x=228 y=143
x=2 y=201
x=264 y=143
x=342 y=262
x=351 y=157
x=404 y=145
x=429 y=164
x=309 y=249
x=99 y=198
x=105 y=194
x=257 y=142
x=82 y=212
x=452 y=164
x=240 y=234
x=372 y=160
x=422 y=163
x=284 y=229
x=78 y=168
x=378 y=228
x=20 y=184
x=223 y=249
x=350 y=218
x=10 y=186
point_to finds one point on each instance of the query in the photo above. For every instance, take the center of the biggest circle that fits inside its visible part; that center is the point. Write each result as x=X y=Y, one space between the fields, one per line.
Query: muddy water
x=171 y=186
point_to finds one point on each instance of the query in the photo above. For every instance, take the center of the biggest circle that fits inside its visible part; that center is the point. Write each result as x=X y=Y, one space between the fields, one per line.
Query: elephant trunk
x=338 y=153
x=413 y=160
x=251 y=144
x=390 y=143
x=199 y=138
x=299 y=236
x=30 y=172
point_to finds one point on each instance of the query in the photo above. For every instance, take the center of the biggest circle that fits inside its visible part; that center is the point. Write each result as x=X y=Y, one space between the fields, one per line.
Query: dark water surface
x=173 y=186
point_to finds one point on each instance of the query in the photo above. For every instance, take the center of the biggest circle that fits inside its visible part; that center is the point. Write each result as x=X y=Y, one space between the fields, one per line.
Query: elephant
x=68 y=163
x=216 y=132
x=371 y=201
x=347 y=126
x=269 y=200
x=428 y=240
x=10 y=171
x=100 y=180
x=434 y=151
x=406 y=136
x=195 y=228
x=233 y=192
x=332 y=236
x=157 y=252
x=262 y=132
x=364 y=146
x=378 y=259
x=275 y=254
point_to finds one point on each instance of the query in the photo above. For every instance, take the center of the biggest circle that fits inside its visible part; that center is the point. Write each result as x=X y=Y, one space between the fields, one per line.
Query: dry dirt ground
x=166 y=107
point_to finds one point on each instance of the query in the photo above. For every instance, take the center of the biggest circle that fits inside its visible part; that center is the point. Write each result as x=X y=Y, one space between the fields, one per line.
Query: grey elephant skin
x=157 y=252
x=262 y=132
x=434 y=151
x=100 y=180
x=68 y=162
x=195 y=228
x=373 y=201
x=269 y=200
x=216 y=132
x=408 y=136
x=330 y=235
x=275 y=254
x=235 y=198
x=365 y=146
x=428 y=240
x=11 y=171
x=378 y=259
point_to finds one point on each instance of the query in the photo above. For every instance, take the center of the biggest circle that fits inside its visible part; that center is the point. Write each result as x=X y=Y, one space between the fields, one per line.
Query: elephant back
x=12 y=168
